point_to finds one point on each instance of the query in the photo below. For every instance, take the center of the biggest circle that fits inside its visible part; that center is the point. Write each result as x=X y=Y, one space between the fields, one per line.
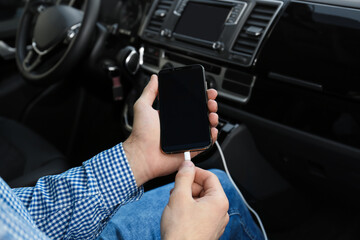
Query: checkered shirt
x=73 y=205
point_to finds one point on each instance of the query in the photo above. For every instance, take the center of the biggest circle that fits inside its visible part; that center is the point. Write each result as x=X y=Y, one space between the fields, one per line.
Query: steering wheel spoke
x=31 y=61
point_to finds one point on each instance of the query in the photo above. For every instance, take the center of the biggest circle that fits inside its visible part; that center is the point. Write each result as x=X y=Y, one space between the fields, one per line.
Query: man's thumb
x=185 y=178
x=151 y=90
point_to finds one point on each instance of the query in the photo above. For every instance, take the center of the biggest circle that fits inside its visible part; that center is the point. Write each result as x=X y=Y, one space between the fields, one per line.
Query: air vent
x=159 y=15
x=254 y=29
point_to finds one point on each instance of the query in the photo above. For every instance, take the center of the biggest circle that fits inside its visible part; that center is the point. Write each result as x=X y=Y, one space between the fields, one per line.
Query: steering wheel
x=52 y=37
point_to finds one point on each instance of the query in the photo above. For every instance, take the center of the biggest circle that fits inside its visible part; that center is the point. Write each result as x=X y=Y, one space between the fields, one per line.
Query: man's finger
x=214 y=133
x=184 y=179
x=212 y=105
x=208 y=181
x=150 y=91
x=212 y=94
x=196 y=189
x=213 y=119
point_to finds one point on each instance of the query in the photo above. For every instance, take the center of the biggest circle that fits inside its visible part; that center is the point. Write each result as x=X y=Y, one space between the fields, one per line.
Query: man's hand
x=142 y=148
x=197 y=208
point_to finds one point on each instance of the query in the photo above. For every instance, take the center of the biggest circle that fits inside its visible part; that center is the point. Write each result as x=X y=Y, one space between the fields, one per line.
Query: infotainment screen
x=202 y=21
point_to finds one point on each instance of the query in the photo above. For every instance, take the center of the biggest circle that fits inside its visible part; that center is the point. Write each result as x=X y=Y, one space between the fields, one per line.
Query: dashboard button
x=218 y=46
x=166 y=33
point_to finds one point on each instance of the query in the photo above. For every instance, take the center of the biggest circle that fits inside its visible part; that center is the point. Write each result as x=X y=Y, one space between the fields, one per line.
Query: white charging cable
x=237 y=189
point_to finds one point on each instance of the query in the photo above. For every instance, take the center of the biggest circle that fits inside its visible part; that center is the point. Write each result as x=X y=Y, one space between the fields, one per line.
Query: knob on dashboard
x=219 y=46
x=128 y=59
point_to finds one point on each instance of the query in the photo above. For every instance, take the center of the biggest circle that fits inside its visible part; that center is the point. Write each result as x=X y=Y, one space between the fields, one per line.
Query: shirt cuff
x=114 y=177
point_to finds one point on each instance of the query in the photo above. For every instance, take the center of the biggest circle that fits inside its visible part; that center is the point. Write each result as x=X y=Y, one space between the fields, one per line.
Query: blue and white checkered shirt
x=73 y=205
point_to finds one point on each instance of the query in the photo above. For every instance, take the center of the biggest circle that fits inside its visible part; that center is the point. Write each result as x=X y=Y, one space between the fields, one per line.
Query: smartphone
x=183 y=111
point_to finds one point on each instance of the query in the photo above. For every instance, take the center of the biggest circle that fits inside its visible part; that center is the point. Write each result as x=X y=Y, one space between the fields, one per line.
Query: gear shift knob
x=128 y=60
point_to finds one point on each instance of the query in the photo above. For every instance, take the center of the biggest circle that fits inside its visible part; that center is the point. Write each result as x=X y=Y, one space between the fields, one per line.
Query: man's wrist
x=135 y=159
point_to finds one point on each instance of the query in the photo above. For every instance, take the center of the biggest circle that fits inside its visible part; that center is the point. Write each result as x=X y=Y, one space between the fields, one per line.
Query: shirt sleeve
x=78 y=203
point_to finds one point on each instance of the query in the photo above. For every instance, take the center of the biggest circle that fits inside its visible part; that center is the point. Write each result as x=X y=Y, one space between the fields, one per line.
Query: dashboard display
x=202 y=21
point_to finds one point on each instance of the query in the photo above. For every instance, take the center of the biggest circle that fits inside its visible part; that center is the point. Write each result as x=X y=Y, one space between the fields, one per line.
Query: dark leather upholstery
x=25 y=156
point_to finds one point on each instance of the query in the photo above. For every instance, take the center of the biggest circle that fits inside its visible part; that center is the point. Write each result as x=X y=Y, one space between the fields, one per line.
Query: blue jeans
x=141 y=219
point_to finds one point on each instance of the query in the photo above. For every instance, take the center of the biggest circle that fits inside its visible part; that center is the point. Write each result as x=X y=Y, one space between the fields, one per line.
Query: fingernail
x=188 y=164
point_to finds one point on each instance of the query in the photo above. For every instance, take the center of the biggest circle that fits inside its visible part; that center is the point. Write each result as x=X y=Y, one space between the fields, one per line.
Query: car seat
x=26 y=156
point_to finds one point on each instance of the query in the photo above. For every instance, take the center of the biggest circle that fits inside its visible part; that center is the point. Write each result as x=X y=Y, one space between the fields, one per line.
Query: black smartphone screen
x=184 y=120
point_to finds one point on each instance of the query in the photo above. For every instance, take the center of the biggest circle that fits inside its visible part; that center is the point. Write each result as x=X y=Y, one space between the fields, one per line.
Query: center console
x=216 y=34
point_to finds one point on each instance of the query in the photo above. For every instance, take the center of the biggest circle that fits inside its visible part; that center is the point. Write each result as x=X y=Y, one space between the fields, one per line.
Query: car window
x=10 y=13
